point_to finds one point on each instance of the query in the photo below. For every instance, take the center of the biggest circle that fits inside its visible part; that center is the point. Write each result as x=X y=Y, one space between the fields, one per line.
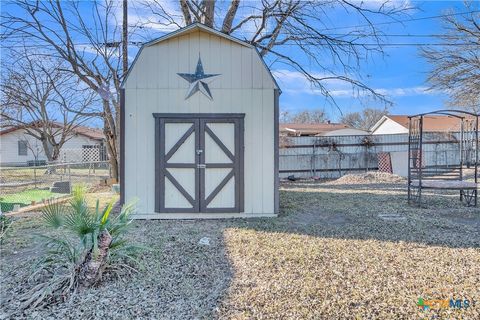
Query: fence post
x=312 y=161
x=365 y=158
x=70 y=178
x=339 y=162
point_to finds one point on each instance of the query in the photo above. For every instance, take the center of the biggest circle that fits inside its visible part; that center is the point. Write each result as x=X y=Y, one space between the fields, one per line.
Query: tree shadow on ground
x=353 y=213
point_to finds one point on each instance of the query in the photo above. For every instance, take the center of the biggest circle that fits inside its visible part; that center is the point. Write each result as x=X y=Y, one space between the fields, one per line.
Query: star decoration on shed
x=196 y=81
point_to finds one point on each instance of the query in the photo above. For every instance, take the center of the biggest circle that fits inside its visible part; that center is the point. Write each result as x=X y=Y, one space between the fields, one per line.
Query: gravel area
x=369 y=177
x=328 y=256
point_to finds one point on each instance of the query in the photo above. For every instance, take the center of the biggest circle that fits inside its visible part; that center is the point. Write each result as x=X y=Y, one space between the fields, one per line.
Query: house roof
x=92 y=133
x=302 y=129
x=192 y=28
x=431 y=123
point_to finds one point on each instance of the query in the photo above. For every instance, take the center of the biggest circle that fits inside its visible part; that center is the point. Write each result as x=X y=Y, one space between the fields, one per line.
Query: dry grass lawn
x=328 y=256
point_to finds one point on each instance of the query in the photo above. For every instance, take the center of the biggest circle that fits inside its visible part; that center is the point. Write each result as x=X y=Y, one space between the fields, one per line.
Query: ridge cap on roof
x=192 y=26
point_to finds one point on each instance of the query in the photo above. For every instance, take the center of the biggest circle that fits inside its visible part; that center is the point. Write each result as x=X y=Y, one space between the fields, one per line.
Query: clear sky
x=400 y=73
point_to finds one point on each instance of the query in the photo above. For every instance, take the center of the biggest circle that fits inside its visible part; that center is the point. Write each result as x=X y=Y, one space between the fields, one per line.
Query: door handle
x=201 y=166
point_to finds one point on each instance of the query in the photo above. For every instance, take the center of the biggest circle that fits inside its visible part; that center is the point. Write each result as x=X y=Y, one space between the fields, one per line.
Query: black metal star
x=195 y=81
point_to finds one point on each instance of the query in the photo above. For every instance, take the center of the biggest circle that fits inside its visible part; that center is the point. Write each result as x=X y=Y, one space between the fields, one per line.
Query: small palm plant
x=86 y=243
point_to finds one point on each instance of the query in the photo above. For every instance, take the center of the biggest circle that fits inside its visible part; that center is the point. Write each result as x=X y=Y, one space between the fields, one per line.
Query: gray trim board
x=179 y=143
x=161 y=167
x=276 y=146
x=200 y=128
x=219 y=142
x=122 y=146
x=241 y=167
x=158 y=164
x=217 y=116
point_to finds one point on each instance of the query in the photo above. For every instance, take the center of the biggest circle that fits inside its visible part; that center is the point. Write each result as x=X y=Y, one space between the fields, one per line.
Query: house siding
x=9 y=147
x=390 y=127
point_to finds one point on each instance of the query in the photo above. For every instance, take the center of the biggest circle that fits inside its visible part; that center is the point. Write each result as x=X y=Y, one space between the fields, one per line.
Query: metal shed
x=200 y=128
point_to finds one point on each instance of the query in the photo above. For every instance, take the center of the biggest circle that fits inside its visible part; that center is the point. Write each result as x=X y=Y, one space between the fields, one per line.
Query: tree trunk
x=55 y=152
x=46 y=150
x=111 y=130
x=91 y=269
x=209 y=13
x=231 y=13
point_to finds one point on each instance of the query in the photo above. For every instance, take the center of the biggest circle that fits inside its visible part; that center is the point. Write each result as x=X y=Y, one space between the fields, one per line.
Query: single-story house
x=398 y=124
x=319 y=129
x=200 y=128
x=17 y=148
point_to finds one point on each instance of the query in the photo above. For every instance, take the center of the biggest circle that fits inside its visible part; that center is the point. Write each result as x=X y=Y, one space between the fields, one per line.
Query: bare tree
x=365 y=119
x=309 y=117
x=456 y=65
x=87 y=38
x=284 y=116
x=277 y=28
x=37 y=96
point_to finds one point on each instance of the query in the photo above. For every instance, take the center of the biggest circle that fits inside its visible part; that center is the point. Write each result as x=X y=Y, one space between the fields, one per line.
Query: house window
x=22 y=148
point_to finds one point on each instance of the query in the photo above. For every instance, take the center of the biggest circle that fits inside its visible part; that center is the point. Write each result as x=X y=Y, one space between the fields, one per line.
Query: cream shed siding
x=243 y=86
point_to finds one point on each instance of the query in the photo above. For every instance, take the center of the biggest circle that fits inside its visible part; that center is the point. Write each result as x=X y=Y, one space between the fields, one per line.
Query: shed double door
x=199 y=163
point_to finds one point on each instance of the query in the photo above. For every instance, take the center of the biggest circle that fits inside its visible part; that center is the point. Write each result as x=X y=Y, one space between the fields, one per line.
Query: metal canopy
x=421 y=176
x=449 y=112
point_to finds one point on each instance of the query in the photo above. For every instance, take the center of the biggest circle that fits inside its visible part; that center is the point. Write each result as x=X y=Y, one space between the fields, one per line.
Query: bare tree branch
x=280 y=27
x=96 y=63
x=37 y=96
x=456 y=66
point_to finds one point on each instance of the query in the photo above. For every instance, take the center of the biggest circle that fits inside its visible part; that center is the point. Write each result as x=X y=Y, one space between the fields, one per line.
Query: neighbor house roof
x=431 y=123
x=301 y=129
x=196 y=26
x=92 y=133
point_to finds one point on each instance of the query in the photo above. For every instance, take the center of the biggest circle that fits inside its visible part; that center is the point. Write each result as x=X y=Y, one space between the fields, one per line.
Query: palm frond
x=120 y=223
x=106 y=213
x=61 y=263
x=80 y=220
x=78 y=197
x=52 y=214
x=60 y=249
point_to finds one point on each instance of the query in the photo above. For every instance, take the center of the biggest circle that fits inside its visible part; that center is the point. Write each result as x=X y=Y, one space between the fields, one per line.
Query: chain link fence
x=23 y=186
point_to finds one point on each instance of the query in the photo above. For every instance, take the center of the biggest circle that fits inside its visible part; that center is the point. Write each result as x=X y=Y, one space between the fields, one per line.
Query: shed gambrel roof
x=192 y=28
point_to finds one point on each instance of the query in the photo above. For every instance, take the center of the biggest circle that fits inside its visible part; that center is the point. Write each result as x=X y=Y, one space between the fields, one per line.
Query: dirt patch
x=369 y=177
